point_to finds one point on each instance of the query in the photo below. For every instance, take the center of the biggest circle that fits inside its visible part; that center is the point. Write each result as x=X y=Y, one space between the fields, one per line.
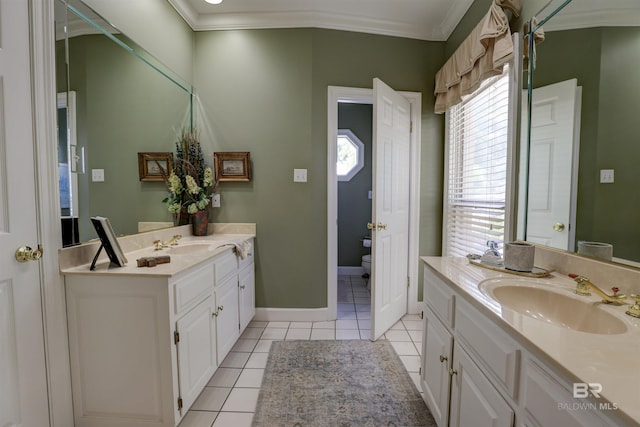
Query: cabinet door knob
x=452 y=372
x=242 y=286
x=442 y=359
x=221 y=308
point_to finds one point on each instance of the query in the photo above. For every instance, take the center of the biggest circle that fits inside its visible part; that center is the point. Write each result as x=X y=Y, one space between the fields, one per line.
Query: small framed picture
x=232 y=166
x=154 y=166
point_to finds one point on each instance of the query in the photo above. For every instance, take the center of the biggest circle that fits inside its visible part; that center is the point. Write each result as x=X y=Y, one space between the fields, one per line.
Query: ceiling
x=431 y=20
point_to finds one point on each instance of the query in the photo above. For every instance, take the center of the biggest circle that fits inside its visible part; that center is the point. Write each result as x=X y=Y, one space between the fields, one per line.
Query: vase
x=200 y=223
x=181 y=218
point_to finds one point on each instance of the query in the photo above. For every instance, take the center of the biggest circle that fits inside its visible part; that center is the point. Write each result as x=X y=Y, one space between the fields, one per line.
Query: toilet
x=366 y=264
x=366 y=259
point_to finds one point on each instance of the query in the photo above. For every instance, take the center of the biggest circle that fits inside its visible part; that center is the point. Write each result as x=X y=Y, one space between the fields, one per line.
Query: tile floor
x=230 y=398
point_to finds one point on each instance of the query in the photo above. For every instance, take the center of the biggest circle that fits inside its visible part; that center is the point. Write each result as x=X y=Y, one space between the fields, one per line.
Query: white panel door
x=23 y=386
x=555 y=115
x=390 y=216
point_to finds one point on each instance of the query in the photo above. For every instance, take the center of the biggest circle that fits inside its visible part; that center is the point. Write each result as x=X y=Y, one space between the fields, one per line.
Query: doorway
x=354 y=174
x=337 y=95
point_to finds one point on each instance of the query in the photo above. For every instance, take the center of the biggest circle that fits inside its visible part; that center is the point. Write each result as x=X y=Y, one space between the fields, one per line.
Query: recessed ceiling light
x=214 y=1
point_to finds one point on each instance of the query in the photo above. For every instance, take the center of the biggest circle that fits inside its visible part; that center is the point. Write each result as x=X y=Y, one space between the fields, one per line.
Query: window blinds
x=477 y=169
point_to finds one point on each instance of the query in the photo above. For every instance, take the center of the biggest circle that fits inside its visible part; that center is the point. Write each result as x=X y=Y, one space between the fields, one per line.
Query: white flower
x=192 y=186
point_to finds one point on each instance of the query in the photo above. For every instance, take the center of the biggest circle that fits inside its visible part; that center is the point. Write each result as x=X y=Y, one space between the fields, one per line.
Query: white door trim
x=49 y=227
x=365 y=96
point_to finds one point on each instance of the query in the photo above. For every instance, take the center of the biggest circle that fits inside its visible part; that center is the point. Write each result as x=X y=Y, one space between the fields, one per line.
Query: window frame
x=514 y=99
x=353 y=138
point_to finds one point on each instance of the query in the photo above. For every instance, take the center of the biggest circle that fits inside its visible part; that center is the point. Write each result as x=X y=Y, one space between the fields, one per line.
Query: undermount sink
x=554 y=306
x=191 y=248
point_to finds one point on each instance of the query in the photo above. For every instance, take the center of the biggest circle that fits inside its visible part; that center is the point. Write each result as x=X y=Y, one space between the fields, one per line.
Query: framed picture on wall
x=232 y=166
x=154 y=166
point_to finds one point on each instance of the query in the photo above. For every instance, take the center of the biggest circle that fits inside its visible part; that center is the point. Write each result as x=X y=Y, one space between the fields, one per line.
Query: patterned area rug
x=338 y=383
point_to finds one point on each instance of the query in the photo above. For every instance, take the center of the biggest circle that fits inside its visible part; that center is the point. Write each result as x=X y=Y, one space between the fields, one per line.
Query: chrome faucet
x=584 y=286
x=493 y=248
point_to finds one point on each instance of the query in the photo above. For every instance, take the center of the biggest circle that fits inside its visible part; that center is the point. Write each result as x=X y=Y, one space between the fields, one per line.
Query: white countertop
x=179 y=262
x=611 y=360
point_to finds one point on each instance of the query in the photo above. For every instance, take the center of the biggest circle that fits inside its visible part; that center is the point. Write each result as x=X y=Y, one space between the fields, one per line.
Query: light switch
x=97 y=175
x=299 y=175
x=606 y=176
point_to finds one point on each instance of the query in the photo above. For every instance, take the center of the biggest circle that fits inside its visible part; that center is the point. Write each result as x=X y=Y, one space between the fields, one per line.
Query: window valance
x=480 y=56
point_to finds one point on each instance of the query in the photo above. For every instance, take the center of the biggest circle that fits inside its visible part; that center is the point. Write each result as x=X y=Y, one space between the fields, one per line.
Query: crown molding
x=320 y=19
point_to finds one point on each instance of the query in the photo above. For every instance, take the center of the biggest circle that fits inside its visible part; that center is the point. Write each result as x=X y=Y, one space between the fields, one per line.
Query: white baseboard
x=350 y=271
x=292 y=314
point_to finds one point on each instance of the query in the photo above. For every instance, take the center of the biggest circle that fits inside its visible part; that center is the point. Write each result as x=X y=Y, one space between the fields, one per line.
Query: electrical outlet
x=606 y=176
x=299 y=175
x=97 y=175
x=215 y=200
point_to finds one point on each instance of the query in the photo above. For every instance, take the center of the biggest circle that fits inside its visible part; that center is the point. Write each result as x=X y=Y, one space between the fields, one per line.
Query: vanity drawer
x=242 y=263
x=224 y=264
x=494 y=349
x=439 y=296
x=192 y=288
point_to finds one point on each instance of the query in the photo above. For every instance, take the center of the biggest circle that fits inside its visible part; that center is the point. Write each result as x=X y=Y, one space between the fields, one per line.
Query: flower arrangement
x=191 y=182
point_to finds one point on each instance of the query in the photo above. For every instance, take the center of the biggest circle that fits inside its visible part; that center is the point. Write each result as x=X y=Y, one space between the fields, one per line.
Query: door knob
x=558 y=226
x=381 y=226
x=25 y=253
x=442 y=359
x=371 y=226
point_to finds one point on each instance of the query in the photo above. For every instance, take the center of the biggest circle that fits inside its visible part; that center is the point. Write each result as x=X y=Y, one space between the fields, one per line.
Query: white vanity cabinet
x=247 y=290
x=195 y=339
x=475 y=374
x=456 y=391
x=437 y=354
x=474 y=401
x=143 y=346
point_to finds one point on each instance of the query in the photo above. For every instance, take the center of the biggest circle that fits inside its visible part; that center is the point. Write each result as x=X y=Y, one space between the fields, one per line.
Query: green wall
x=123 y=107
x=265 y=91
x=157 y=26
x=602 y=58
x=354 y=205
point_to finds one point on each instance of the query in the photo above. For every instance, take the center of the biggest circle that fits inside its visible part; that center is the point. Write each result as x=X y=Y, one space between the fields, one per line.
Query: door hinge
x=411 y=126
x=176 y=337
x=408 y=282
x=422 y=314
x=179 y=403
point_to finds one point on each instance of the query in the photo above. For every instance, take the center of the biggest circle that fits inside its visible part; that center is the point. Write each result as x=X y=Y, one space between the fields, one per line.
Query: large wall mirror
x=122 y=101
x=584 y=135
